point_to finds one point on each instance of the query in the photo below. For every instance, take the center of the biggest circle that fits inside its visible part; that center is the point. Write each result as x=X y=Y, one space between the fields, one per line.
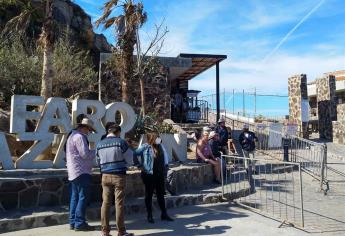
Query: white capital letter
x=128 y=116
x=5 y=154
x=81 y=106
x=55 y=113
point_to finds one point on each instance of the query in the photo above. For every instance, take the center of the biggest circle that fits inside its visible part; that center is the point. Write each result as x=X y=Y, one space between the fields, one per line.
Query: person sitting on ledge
x=204 y=155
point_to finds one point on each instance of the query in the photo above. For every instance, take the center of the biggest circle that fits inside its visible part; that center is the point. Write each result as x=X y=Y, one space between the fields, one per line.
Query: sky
x=266 y=41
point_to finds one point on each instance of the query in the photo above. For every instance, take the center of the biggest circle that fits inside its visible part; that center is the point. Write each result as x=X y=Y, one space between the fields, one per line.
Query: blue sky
x=266 y=41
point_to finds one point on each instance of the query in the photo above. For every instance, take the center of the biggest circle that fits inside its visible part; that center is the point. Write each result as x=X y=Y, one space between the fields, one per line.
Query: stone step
x=43 y=217
x=193 y=125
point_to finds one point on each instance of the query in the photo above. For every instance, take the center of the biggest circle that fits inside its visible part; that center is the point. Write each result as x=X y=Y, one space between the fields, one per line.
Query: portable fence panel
x=311 y=155
x=270 y=186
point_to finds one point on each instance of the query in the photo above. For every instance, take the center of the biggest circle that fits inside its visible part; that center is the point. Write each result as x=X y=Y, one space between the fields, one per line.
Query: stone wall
x=326 y=103
x=298 y=93
x=46 y=188
x=339 y=125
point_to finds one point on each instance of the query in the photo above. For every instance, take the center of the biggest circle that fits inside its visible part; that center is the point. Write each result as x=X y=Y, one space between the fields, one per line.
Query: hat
x=245 y=126
x=221 y=120
x=212 y=134
x=87 y=122
x=206 y=129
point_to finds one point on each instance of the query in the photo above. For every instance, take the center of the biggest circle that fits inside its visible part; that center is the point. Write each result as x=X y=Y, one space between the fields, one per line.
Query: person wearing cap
x=204 y=155
x=113 y=156
x=247 y=140
x=213 y=141
x=223 y=136
x=79 y=161
x=206 y=129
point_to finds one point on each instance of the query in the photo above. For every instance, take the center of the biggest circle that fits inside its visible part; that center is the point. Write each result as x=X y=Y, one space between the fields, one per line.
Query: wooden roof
x=200 y=63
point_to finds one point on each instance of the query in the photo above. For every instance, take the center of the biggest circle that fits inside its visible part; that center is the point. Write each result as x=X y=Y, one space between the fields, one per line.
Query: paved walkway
x=215 y=219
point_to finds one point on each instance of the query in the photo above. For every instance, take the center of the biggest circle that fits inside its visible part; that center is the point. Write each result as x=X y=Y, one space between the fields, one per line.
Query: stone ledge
x=43 y=217
x=23 y=189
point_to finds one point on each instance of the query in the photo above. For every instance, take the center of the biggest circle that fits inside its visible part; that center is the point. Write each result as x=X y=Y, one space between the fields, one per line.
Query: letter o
x=128 y=116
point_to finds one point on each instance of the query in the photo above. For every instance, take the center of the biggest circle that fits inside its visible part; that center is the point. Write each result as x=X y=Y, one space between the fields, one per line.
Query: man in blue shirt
x=113 y=156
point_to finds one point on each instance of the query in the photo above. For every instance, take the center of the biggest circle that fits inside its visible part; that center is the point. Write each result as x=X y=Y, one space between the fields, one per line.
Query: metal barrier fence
x=270 y=186
x=311 y=155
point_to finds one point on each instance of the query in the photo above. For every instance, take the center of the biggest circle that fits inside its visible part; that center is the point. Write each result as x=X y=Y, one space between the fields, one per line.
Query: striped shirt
x=78 y=155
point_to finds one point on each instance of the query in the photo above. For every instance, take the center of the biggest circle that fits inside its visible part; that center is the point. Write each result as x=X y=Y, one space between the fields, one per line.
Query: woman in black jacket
x=153 y=163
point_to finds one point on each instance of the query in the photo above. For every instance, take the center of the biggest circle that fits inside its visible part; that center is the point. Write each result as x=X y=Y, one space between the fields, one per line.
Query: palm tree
x=47 y=43
x=127 y=23
x=21 y=24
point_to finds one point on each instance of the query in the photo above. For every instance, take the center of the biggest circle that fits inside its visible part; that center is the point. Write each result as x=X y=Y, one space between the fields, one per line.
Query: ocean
x=267 y=105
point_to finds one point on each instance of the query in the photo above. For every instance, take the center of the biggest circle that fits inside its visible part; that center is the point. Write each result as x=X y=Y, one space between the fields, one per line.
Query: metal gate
x=270 y=186
x=311 y=155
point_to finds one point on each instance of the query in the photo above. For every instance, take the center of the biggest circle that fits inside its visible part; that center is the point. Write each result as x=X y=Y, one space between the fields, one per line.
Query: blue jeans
x=79 y=200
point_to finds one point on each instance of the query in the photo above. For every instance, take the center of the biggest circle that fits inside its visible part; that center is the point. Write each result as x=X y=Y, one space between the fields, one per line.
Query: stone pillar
x=339 y=125
x=299 y=104
x=326 y=105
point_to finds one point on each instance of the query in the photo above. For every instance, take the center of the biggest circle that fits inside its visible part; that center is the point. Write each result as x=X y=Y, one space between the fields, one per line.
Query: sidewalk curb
x=44 y=217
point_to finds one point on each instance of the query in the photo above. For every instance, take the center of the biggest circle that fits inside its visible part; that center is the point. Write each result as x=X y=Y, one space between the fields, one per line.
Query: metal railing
x=204 y=109
x=270 y=186
x=311 y=155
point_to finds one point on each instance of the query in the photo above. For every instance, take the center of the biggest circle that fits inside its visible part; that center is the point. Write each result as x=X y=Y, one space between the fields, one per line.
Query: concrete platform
x=50 y=216
x=211 y=219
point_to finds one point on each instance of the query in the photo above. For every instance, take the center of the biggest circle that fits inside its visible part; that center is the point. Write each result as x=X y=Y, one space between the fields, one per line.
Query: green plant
x=146 y=124
x=20 y=68
x=72 y=66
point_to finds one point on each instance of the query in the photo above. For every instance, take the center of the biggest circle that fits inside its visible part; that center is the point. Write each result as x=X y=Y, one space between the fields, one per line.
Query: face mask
x=158 y=140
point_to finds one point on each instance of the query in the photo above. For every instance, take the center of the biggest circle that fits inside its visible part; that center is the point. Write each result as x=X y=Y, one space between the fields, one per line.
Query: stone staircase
x=189 y=128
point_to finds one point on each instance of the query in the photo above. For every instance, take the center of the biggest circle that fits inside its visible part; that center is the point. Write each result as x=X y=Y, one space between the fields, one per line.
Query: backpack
x=249 y=145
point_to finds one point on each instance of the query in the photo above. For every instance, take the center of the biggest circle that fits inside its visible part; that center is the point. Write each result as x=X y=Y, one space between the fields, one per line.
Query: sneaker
x=165 y=217
x=103 y=233
x=126 y=234
x=85 y=227
x=71 y=227
x=150 y=219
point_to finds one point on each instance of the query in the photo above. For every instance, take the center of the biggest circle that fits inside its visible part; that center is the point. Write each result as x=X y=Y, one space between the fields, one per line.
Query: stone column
x=326 y=105
x=339 y=125
x=298 y=103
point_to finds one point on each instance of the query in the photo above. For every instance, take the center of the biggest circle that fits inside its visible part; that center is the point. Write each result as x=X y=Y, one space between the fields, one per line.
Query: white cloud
x=259 y=15
x=271 y=77
x=183 y=21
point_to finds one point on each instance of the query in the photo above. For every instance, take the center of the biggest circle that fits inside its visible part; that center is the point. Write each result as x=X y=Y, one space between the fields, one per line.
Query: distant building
x=340 y=92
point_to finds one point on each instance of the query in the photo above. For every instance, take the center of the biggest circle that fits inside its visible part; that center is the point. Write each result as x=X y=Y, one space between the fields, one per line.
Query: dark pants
x=80 y=188
x=152 y=183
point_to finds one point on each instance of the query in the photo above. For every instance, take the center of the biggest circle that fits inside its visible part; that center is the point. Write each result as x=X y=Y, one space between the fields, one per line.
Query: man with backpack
x=224 y=136
x=247 y=140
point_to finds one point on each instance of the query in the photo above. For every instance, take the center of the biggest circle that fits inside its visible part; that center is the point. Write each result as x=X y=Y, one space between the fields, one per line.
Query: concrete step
x=43 y=217
x=193 y=125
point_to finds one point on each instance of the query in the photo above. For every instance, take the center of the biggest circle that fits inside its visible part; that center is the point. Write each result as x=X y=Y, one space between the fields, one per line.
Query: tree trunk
x=124 y=89
x=126 y=72
x=142 y=93
x=47 y=41
x=47 y=73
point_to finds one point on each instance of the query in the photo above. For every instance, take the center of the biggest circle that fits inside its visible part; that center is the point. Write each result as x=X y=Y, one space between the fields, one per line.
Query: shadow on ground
x=189 y=222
